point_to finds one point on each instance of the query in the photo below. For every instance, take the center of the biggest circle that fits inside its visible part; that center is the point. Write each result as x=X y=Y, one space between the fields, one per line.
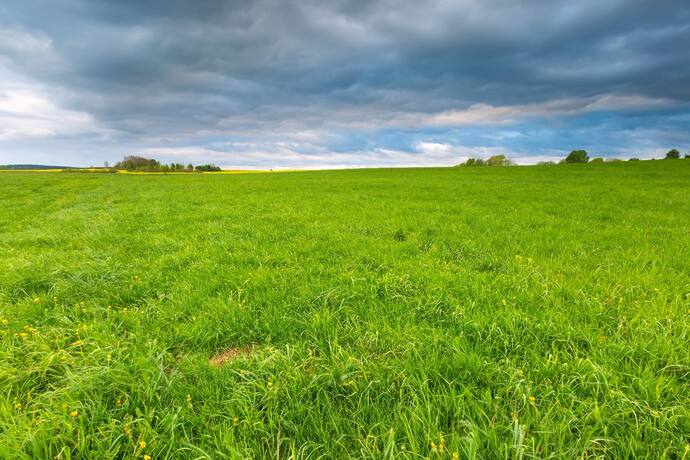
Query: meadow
x=442 y=313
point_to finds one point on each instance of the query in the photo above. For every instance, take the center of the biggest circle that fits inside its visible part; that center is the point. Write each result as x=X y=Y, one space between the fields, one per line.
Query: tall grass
x=442 y=313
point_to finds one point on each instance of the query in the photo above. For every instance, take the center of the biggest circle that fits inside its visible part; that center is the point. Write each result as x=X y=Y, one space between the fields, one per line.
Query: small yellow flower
x=433 y=446
x=23 y=335
x=270 y=384
x=74 y=413
x=532 y=399
x=147 y=457
x=235 y=421
x=127 y=431
x=118 y=403
x=655 y=413
x=37 y=300
x=142 y=444
x=456 y=456
x=4 y=321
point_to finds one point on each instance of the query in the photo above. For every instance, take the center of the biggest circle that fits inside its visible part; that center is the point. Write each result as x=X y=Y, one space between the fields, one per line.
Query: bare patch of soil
x=228 y=355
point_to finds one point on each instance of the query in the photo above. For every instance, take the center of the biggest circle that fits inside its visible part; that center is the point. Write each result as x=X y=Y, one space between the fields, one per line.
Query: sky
x=328 y=84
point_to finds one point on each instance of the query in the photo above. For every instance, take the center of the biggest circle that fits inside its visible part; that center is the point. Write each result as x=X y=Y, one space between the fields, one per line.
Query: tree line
x=576 y=156
x=137 y=163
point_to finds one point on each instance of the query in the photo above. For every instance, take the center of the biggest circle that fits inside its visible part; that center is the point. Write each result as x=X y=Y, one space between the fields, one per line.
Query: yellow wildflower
x=23 y=334
x=532 y=399
x=74 y=413
x=456 y=456
x=147 y=457
x=142 y=444
x=37 y=300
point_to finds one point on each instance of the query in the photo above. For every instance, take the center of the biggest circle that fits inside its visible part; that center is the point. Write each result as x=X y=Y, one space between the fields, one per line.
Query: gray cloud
x=153 y=73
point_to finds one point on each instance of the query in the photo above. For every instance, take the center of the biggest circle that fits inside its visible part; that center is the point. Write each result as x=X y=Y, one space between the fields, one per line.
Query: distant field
x=444 y=313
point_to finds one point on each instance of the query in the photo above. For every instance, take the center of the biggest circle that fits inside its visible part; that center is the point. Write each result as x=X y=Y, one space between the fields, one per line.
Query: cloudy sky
x=309 y=83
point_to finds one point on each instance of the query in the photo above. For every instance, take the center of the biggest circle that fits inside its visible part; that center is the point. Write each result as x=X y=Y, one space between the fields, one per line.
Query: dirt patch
x=228 y=355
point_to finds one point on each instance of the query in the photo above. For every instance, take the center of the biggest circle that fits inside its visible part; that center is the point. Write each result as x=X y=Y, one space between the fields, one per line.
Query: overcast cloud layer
x=270 y=84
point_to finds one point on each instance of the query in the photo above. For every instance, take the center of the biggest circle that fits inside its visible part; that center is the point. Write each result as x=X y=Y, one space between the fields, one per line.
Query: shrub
x=597 y=160
x=577 y=156
x=634 y=159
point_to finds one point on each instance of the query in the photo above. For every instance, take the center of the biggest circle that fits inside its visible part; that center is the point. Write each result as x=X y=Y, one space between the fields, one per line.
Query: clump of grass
x=399 y=235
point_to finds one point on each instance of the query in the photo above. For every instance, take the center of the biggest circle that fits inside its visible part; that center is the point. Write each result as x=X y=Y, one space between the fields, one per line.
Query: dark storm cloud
x=142 y=72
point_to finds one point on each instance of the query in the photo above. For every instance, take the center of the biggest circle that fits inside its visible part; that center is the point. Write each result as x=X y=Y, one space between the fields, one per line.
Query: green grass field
x=525 y=312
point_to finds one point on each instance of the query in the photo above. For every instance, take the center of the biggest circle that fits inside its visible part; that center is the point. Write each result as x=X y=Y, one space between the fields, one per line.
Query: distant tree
x=687 y=156
x=634 y=159
x=577 y=156
x=471 y=162
x=672 y=154
x=190 y=167
x=208 y=167
x=597 y=160
x=498 y=160
x=133 y=162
